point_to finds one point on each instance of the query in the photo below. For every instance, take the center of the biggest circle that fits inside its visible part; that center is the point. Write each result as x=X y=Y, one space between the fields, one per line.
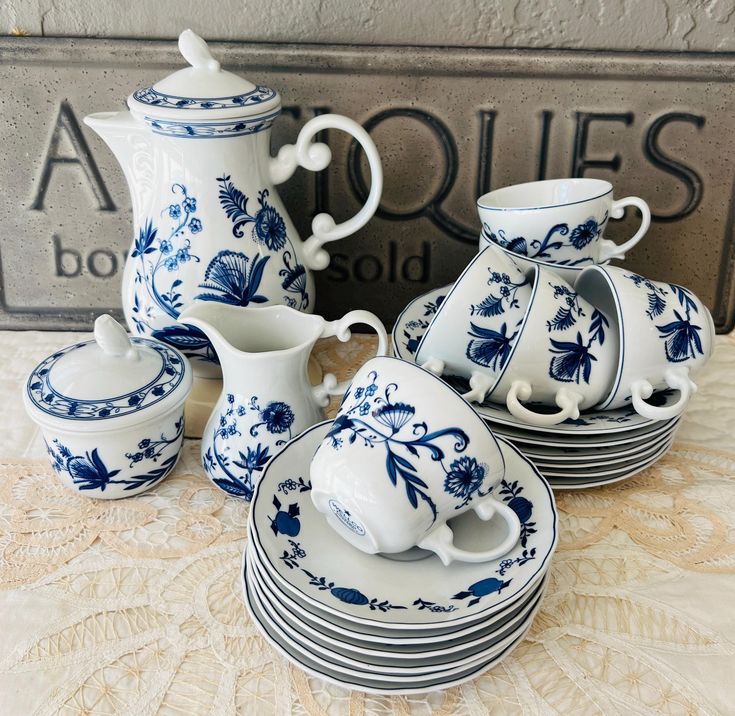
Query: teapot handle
x=315 y=156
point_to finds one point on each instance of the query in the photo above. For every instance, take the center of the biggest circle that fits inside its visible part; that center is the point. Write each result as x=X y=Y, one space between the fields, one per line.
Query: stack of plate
x=384 y=625
x=600 y=447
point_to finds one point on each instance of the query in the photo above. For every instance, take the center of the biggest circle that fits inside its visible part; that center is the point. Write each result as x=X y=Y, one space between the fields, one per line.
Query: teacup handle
x=341 y=329
x=676 y=378
x=609 y=249
x=567 y=400
x=315 y=156
x=441 y=539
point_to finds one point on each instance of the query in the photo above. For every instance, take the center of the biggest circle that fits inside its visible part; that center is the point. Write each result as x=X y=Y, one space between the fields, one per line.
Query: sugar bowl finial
x=196 y=52
x=113 y=339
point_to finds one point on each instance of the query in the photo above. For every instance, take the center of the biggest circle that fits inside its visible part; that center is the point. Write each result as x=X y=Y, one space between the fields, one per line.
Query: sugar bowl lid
x=203 y=91
x=108 y=383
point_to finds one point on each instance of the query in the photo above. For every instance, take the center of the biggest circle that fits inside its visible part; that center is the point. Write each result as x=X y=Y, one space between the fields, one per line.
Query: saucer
x=385 y=663
x=639 y=436
x=567 y=483
x=368 y=636
x=410 y=328
x=593 y=454
x=305 y=557
x=544 y=463
x=364 y=683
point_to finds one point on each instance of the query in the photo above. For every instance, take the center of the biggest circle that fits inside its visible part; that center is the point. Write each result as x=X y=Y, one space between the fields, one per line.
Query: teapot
x=208 y=222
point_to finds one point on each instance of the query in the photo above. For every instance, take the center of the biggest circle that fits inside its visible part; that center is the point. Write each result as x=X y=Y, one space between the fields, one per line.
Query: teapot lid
x=203 y=91
x=110 y=382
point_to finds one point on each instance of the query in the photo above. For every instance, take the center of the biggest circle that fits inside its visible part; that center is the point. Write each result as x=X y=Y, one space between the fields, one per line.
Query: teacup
x=565 y=354
x=488 y=300
x=665 y=333
x=559 y=221
x=569 y=273
x=404 y=455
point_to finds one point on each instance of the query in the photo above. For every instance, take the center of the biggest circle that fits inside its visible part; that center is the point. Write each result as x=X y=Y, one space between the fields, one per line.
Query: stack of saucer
x=380 y=624
x=599 y=447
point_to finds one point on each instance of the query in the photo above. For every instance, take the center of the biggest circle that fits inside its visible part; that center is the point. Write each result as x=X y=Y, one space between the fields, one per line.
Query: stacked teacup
x=584 y=365
x=402 y=547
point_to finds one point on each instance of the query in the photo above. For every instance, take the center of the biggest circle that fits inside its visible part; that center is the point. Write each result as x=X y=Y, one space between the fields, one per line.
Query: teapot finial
x=196 y=52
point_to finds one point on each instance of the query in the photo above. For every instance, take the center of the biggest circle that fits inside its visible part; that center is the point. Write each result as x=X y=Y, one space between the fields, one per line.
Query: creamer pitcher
x=267 y=398
x=208 y=223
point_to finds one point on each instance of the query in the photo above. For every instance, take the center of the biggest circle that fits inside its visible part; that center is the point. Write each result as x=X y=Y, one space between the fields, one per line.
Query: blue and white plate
x=410 y=328
x=311 y=663
x=384 y=663
x=396 y=641
x=565 y=482
x=305 y=557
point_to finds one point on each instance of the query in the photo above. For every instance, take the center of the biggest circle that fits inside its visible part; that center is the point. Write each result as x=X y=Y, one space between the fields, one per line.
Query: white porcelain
x=111 y=411
x=372 y=637
x=376 y=590
x=574 y=483
x=267 y=397
x=321 y=669
x=195 y=150
x=404 y=455
x=569 y=273
x=489 y=299
x=382 y=665
x=560 y=221
x=666 y=334
x=572 y=456
x=598 y=462
x=619 y=472
x=408 y=331
x=564 y=355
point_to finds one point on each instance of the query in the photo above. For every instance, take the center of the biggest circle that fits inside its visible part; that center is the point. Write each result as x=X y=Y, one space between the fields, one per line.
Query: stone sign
x=449 y=124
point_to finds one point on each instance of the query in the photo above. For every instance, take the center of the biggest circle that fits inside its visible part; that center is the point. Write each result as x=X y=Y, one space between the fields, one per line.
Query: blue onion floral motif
x=50 y=401
x=286 y=522
x=584 y=233
x=269 y=230
x=656 y=294
x=373 y=416
x=234 y=279
x=510 y=492
x=491 y=348
x=681 y=337
x=414 y=329
x=157 y=295
x=496 y=304
x=682 y=341
x=464 y=479
x=578 y=238
x=572 y=360
x=89 y=471
x=271 y=424
x=348 y=595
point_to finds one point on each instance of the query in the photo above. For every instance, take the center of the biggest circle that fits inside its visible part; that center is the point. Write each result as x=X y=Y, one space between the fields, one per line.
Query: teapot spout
x=121 y=132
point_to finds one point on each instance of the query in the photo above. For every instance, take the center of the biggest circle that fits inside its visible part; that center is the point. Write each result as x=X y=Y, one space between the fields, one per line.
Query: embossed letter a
x=67 y=122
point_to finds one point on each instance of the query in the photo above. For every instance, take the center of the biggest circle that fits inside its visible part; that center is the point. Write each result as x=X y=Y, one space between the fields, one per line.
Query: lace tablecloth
x=134 y=606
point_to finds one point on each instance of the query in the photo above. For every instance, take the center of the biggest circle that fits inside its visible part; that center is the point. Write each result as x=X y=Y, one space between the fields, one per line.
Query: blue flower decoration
x=277 y=416
x=584 y=233
x=174 y=211
x=195 y=226
x=190 y=205
x=464 y=478
x=270 y=228
x=394 y=415
x=171 y=264
x=182 y=255
x=166 y=247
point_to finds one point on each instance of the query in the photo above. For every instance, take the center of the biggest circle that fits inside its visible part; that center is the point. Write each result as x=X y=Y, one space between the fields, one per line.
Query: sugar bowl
x=111 y=411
